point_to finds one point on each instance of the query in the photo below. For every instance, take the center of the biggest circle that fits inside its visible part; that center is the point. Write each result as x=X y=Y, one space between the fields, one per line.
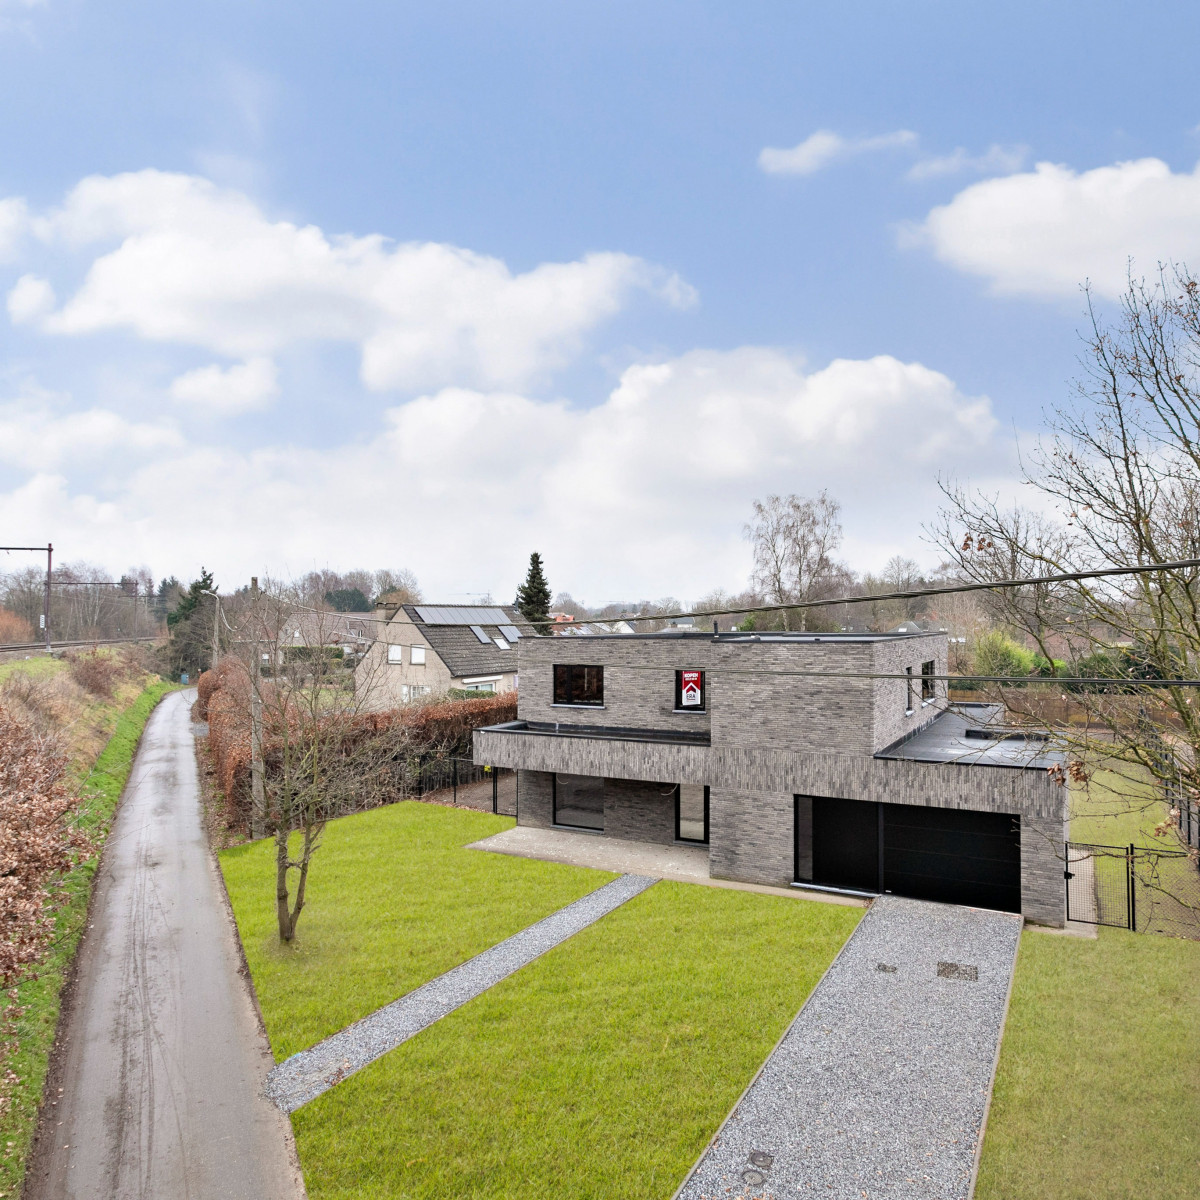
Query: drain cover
x=958 y=971
x=753 y=1178
x=760 y=1158
x=886 y=969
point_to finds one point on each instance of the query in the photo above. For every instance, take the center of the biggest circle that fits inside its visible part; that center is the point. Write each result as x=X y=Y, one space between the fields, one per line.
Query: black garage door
x=928 y=853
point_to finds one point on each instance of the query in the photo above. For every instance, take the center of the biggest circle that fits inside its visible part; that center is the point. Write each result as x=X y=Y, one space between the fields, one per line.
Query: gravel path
x=880 y=1087
x=304 y=1076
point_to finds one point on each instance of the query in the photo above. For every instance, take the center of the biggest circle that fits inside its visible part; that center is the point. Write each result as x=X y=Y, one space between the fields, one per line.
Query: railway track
x=18 y=647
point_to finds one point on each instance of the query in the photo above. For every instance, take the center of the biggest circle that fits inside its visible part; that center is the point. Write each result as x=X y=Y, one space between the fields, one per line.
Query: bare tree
x=795 y=540
x=1117 y=483
x=307 y=732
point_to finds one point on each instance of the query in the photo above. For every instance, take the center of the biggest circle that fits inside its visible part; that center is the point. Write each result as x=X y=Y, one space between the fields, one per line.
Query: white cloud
x=203 y=266
x=824 y=147
x=240 y=388
x=995 y=160
x=14 y=221
x=30 y=299
x=1046 y=231
x=644 y=494
x=36 y=438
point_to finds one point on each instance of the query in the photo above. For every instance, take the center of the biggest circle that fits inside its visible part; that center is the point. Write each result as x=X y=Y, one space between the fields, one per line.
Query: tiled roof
x=463 y=653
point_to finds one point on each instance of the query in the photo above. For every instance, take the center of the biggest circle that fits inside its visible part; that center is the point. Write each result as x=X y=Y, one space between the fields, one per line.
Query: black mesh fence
x=1147 y=890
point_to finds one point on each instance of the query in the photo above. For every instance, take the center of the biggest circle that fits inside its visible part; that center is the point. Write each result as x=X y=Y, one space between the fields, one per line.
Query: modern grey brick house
x=829 y=760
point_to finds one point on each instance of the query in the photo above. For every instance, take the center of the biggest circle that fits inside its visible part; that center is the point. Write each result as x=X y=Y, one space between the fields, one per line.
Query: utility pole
x=258 y=806
x=216 y=637
x=46 y=597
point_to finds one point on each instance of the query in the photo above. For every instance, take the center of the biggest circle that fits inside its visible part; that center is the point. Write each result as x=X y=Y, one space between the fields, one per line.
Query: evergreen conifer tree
x=533 y=596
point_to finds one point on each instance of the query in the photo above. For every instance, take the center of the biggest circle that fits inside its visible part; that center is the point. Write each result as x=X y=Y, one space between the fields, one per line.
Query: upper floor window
x=928 y=691
x=909 y=703
x=417 y=657
x=578 y=685
x=396 y=654
x=689 y=691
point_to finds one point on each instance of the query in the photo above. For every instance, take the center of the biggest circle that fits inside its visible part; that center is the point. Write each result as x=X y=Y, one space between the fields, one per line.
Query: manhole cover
x=958 y=971
x=753 y=1178
x=760 y=1158
x=886 y=969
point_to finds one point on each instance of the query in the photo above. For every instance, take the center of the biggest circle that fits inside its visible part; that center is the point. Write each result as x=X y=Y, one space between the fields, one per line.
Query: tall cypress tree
x=533 y=596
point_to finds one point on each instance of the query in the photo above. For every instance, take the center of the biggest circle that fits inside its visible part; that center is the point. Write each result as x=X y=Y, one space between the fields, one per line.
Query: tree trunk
x=287 y=926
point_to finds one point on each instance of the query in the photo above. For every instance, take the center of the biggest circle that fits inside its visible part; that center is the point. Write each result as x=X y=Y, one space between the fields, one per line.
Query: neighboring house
x=426 y=649
x=826 y=760
x=349 y=632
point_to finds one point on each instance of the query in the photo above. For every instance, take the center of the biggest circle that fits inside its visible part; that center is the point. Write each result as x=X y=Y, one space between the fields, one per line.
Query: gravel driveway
x=879 y=1089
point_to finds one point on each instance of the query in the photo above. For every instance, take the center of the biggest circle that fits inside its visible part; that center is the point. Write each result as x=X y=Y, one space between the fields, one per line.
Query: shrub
x=95 y=672
x=998 y=654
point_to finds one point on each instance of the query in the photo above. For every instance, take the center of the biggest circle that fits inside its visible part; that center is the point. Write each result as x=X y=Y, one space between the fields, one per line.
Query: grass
x=600 y=1070
x=394 y=899
x=1115 y=810
x=1098 y=1090
x=40 y=997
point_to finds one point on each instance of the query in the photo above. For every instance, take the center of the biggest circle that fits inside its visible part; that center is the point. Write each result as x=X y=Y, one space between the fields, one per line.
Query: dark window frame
x=909 y=700
x=568 y=688
x=928 y=684
x=678 y=804
x=691 y=708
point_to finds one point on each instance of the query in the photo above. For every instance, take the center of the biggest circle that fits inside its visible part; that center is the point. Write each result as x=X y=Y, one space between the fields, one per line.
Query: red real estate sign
x=691 y=689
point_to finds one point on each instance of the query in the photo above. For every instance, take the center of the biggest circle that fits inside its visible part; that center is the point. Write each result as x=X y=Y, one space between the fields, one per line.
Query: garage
x=949 y=855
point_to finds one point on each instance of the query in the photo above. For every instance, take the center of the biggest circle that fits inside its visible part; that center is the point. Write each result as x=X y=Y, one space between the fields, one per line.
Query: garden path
x=306 y=1075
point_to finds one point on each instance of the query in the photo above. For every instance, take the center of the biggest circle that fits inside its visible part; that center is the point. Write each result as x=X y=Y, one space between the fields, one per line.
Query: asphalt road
x=162 y=1059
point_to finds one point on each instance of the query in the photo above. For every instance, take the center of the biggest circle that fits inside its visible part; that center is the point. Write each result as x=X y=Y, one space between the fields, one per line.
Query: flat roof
x=612 y=733
x=970 y=734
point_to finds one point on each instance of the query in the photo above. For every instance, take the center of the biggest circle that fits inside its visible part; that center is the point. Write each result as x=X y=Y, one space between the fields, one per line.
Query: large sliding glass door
x=579 y=801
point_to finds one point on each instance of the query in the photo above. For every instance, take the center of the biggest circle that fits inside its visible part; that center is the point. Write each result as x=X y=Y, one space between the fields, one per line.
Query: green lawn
x=600 y=1070
x=393 y=900
x=1098 y=1090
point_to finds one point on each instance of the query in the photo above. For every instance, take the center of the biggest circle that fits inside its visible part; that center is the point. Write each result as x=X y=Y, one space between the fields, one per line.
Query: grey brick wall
x=891 y=722
x=750 y=836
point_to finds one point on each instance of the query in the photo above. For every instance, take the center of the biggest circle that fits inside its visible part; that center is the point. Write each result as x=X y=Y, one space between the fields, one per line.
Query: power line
x=916 y=594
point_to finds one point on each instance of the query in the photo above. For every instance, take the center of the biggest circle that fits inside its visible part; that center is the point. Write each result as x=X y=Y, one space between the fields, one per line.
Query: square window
x=689 y=691
x=417 y=658
x=396 y=654
x=579 y=685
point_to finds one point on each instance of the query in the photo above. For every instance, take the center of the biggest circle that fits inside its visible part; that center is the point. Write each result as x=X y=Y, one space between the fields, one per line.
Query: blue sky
x=296 y=285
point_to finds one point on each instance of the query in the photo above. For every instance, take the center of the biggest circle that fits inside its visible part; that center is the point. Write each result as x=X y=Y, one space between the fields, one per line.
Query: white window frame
x=417 y=656
x=494 y=680
x=395 y=655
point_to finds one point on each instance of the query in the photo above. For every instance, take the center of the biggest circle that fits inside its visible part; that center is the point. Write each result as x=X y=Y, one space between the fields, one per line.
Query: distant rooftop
x=770 y=636
x=971 y=734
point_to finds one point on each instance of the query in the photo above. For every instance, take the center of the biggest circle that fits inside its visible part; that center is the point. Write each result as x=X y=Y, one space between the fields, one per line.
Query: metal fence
x=1143 y=889
x=1187 y=819
x=461 y=781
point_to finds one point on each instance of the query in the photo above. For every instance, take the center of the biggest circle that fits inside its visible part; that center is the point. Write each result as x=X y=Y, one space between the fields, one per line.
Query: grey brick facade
x=775 y=734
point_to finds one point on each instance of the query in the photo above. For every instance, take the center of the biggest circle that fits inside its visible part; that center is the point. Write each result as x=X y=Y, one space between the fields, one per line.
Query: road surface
x=161 y=1060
